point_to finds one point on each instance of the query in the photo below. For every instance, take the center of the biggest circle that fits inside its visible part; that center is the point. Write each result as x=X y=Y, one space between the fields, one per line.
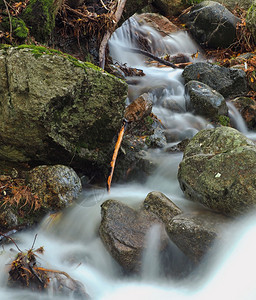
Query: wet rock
x=195 y=232
x=160 y=205
x=123 y=232
x=158 y=22
x=139 y=108
x=247 y=108
x=57 y=186
x=219 y=170
x=204 y=101
x=157 y=139
x=56 y=109
x=226 y=81
x=143 y=131
x=211 y=24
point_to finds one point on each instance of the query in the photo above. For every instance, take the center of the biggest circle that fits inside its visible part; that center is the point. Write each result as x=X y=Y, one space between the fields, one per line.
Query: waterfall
x=72 y=243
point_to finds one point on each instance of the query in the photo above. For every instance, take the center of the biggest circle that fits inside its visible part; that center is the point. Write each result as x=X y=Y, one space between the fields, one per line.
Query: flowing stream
x=71 y=242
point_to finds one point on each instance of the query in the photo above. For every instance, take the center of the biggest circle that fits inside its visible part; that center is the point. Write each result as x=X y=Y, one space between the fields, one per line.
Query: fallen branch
x=11 y=239
x=150 y=55
x=117 y=147
x=107 y=35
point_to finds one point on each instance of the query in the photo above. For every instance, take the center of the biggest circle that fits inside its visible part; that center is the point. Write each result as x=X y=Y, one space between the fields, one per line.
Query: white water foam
x=72 y=244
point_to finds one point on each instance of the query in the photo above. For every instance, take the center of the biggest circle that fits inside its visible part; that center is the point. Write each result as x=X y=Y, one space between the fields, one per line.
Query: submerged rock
x=123 y=231
x=226 y=81
x=205 y=101
x=195 y=232
x=219 y=170
x=56 y=109
x=211 y=24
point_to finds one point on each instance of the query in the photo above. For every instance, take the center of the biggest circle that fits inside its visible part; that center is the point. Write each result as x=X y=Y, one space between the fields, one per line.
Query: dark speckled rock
x=57 y=186
x=205 y=101
x=161 y=206
x=195 y=232
x=123 y=231
x=226 y=81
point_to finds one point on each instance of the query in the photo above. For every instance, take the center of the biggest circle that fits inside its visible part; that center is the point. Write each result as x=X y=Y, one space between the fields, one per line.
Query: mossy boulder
x=219 y=171
x=55 y=109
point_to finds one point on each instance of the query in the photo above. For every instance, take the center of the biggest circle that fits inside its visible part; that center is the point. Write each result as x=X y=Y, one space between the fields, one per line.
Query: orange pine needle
x=117 y=147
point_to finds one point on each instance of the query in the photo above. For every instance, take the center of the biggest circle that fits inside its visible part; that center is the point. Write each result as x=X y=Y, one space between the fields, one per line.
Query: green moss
x=149 y=120
x=19 y=28
x=4 y=46
x=224 y=120
x=39 y=16
x=41 y=50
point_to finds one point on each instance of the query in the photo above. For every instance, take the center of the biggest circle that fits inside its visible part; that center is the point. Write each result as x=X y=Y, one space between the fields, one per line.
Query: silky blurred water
x=72 y=243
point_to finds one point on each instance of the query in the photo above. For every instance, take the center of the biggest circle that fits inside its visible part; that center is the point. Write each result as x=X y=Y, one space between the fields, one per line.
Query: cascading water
x=72 y=243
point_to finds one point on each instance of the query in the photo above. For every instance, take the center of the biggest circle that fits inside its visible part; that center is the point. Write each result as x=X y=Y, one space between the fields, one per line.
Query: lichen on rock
x=219 y=170
x=56 y=109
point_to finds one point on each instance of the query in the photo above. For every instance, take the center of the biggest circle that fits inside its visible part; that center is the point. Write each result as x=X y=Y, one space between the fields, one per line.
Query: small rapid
x=71 y=240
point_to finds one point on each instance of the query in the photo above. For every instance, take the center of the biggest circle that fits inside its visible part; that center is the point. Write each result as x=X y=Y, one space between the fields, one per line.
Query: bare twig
x=8 y=237
x=103 y=4
x=117 y=147
x=34 y=241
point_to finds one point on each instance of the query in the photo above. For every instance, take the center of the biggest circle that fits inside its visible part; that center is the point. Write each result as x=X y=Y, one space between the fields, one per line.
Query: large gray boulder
x=204 y=101
x=211 y=24
x=226 y=81
x=219 y=170
x=55 y=108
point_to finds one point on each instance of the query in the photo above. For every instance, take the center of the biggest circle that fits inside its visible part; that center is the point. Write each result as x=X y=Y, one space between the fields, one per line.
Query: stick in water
x=117 y=147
